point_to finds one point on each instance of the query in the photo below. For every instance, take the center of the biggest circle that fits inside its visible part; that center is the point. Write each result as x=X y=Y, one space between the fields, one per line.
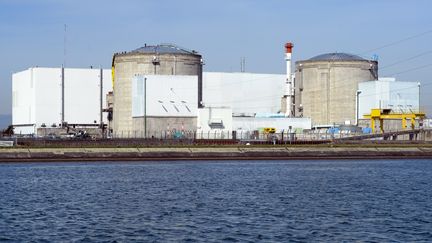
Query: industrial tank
x=163 y=59
x=326 y=87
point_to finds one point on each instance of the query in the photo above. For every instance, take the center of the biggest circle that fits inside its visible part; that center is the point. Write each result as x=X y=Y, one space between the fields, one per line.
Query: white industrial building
x=162 y=103
x=255 y=100
x=245 y=93
x=50 y=97
x=164 y=96
x=162 y=88
x=387 y=93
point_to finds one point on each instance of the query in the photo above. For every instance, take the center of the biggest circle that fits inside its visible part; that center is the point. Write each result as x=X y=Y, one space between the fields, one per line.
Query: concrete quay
x=214 y=153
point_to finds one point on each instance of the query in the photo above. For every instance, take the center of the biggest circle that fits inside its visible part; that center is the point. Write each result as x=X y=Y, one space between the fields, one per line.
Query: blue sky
x=224 y=31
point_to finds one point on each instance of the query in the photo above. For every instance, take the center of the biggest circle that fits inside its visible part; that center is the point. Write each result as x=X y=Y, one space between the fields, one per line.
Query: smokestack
x=289 y=94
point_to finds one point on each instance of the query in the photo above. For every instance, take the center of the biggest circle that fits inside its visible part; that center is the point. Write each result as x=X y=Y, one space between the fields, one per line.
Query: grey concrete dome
x=326 y=86
x=337 y=56
x=164 y=49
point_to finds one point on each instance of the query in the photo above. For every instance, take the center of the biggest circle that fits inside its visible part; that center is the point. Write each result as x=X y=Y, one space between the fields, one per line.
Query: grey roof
x=164 y=49
x=337 y=56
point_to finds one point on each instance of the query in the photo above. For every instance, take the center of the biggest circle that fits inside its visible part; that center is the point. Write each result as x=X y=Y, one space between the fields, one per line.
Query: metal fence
x=218 y=137
x=225 y=134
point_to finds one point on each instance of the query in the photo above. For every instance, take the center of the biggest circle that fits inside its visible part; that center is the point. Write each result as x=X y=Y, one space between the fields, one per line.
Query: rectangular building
x=43 y=97
x=387 y=93
x=245 y=93
x=163 y=103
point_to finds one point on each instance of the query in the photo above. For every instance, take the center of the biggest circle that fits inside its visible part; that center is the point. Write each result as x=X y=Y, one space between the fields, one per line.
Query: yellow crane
x=383 y=114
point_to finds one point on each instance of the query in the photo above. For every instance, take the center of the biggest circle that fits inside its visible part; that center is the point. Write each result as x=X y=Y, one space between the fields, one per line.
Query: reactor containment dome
x=163 y=59
x=326 y=86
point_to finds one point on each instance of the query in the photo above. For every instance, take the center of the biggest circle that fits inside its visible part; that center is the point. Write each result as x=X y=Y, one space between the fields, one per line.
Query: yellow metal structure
x=269 y=130
x=112 y=75
x=383 y=114
x=113 y=70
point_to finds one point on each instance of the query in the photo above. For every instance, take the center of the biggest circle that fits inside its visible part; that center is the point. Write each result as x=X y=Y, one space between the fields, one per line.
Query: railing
x=220 y=137
x=225 y=134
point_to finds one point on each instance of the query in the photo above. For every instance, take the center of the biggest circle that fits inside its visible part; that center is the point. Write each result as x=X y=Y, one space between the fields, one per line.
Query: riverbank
x=214 y=153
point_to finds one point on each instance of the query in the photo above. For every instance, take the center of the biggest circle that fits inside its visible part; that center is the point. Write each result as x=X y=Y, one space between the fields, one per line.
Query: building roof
x=337 y=56
x=164 y=49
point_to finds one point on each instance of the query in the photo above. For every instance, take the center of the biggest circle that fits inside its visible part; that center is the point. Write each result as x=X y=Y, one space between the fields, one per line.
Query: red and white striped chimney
x=289 y=94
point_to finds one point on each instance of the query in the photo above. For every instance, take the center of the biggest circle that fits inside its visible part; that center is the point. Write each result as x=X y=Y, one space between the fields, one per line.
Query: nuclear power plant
x=159 y=91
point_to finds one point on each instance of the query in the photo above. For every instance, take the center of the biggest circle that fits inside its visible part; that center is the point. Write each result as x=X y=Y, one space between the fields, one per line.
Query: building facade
x=387 y=93
x=54 y=97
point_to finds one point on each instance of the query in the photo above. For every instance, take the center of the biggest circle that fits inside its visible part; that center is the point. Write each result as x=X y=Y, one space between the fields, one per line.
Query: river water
x=210 y=201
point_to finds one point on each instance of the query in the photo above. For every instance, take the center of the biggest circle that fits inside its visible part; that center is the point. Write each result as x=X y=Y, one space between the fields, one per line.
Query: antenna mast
x=64 y=45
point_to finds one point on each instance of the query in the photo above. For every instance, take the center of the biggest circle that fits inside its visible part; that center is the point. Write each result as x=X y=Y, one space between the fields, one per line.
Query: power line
x=396 y=42
x=215 y=84
x=64 y=45
x=412 y=69
x=253 y=99
x=406 y=59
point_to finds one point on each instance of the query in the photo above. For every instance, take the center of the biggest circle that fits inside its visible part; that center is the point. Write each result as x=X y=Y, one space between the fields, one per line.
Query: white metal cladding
x=82 y=95
x=281 y=124
x=23 y=98
x=396 y=95
x=47 y=96
x=244 y=92
x=165 y=95
x=37 y=97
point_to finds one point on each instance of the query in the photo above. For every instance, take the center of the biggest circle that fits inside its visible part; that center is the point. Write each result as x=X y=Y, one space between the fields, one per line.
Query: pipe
x=288 y=83
x=200 y=83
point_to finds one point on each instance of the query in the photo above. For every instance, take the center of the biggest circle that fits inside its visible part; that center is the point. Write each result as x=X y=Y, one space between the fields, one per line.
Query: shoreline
x=213 y=153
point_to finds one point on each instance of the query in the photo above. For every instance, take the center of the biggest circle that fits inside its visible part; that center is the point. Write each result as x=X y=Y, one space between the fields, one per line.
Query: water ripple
x=256 y=201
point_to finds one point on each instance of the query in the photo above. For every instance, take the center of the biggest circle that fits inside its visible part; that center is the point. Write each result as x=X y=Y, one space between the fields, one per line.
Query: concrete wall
x=131 y=64
x=63 y=132
x=157 y=126
x=281 y=124
x=326 y=91
x=211 y=153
